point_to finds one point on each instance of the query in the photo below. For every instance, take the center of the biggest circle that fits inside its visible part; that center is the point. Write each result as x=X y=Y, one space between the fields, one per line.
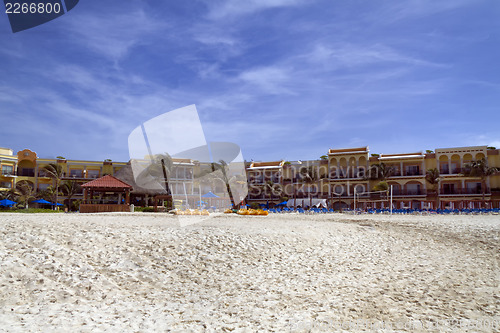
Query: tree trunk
x=231 y=196
x=167 y=187
x=57 y=194
x=294 y=198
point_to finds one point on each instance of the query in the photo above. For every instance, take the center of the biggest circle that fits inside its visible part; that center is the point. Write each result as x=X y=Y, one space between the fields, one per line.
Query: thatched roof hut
x=126 y=174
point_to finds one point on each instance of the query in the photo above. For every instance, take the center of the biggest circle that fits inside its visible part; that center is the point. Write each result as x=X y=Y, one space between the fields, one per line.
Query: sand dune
x=143 y=273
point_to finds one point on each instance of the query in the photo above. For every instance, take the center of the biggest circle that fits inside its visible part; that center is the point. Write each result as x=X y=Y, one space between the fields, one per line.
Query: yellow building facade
x=352 y=173
x=25 y=165
x=350 y=178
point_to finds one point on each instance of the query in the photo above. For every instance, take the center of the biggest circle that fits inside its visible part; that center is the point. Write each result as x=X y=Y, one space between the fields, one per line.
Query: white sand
x=143 y=273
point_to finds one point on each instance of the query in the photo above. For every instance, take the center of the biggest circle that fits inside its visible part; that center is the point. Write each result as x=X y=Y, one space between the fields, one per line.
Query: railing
x=454 y=171
x=102 y=208
x=398 y=192
x=413 y=173
x=9 y=174
x=26 y=173
x=463 y=191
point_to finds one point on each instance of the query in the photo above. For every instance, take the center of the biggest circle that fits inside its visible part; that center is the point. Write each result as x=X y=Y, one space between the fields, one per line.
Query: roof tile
x=107 y=182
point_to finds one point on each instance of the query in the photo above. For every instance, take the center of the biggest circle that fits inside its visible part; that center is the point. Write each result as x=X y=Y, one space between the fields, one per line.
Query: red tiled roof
x=266 y=164
x=107 y=182
x=349 y=150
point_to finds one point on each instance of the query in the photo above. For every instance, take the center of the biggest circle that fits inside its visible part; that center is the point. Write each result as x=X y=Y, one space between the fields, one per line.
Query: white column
x=401 y=169
x=423 y=167
x=449 y=165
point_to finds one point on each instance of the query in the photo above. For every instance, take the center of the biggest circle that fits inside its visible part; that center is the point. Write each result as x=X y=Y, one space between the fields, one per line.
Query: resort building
x=28 y=167
x=343 y=178
x=350 y=178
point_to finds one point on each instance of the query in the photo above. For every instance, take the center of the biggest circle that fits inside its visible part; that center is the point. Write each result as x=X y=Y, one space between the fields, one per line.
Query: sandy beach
x=283 y=273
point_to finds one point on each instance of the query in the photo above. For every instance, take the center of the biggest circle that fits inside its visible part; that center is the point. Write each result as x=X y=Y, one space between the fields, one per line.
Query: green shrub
x=144 y=209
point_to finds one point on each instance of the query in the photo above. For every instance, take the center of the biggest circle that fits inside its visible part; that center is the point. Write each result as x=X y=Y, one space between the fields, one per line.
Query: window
x=92 y=173
x=5 y=185
x=76 y=173
x=448 y=188
x=473 y=188
x=412 y=170
x=444 y=168
x=7 y=170
x=413 y=189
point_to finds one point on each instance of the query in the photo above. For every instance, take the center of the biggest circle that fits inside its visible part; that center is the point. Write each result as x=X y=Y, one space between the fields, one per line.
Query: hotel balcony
x=464 y=191
x=262 y=181
x=407 y=174
x=403 y=192
x=454 y=171
x=26 y=173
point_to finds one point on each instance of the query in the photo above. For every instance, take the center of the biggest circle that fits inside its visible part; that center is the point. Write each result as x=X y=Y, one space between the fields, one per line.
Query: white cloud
x=113 y=35
x=352 y=55
x=270 y=79
x=232 y=8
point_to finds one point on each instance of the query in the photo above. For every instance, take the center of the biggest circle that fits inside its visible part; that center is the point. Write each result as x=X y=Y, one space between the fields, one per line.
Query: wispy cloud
x=271 y=79
x=232 y=8
x=355 y=55
x=113 y=34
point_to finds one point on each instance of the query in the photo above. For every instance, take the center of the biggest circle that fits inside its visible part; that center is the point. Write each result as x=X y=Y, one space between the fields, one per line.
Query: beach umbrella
x=56 y=204
x=7 y=203
x=42 y=201
x=210 y=195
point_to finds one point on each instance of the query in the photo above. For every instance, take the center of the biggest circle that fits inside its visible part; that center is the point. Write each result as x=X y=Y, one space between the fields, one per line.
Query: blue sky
x=284 y=79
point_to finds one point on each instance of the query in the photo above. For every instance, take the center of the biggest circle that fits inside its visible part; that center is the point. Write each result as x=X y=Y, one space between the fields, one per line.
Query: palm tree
x=433 y=177
x=480 y=169
x=380 y=171
x=54 y=171
x=309 y=175
x=221 y=173
x=160 y=168
x=273 y=189
x=24 y=192
x=10 y=194
x=70 y=188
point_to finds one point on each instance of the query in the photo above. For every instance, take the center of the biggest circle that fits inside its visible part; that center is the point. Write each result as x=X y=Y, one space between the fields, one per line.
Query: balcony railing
x=454 y=171
x=468 y=191
x=26 y=173
x=399 y=192
x=407 y=174
x=8 y=174
x=413 y=173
